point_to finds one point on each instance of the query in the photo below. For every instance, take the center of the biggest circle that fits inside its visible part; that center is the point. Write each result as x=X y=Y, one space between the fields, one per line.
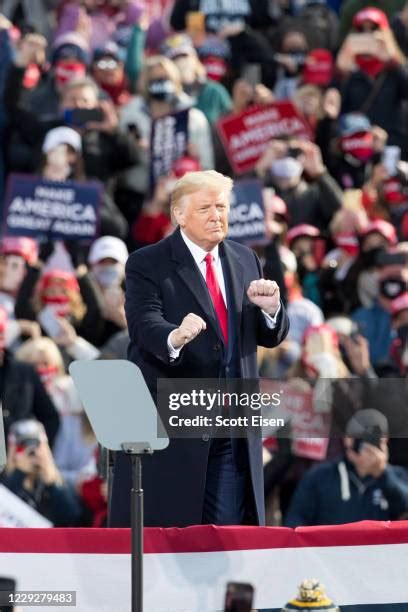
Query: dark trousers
x=226 y=486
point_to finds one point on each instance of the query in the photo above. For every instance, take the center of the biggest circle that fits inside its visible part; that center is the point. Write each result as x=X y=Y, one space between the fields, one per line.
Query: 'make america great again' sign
x=245 y=136
x=37 y=208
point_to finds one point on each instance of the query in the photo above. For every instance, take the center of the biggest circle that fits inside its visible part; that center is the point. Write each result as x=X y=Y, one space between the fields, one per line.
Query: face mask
x=215 y=67
x=369 y=258
x=392 y=288
x=360 y=146
x=108 y=276
x=347 y=242
x=393 y=192
x=370 y=65
x=14 y=273
x=47 y=375
x=286 y=168
x=323 y=364
x=114 y=91
x=299 y=58
x=68 y=71
x=58 y=304
x=161 y=90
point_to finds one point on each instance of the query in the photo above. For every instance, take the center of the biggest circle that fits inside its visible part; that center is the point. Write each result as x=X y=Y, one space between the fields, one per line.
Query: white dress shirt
x=199 y=256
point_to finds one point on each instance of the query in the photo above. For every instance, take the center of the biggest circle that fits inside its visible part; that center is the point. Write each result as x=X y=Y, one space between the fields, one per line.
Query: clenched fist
x=189 y=329
x=265 y=294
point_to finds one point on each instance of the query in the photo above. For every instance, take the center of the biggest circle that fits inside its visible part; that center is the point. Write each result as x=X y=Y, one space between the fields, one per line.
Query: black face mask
x=285 y=194
x=299 y=58
x=368 y=259
x=392 y=288
x=161 y=90
x=376 y=158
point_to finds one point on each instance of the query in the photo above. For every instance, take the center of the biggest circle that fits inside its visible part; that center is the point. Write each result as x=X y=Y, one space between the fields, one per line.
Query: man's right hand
x=189 y=329
x=31 y=50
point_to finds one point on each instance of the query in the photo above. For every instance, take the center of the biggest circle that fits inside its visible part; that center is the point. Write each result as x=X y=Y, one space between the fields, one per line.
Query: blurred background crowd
x=81 y=83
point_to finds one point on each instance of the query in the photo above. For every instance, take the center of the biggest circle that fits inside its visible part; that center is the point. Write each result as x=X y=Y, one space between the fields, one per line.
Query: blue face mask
x=162 y=90
x=108 y=276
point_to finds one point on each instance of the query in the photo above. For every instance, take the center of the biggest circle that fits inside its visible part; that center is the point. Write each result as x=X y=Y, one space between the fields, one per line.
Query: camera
x=27 y=434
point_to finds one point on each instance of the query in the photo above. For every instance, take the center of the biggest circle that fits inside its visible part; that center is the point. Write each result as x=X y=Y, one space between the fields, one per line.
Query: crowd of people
x=81 y=84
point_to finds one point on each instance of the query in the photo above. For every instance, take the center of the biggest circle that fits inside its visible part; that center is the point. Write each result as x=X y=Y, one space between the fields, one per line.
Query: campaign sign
x=247 y=213
x=309 y=428
x=59 y=211
x=245 y=136
x=14 y=512
x=168 y=142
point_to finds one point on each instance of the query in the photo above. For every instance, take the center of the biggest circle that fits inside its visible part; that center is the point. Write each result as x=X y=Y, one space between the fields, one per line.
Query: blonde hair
x=204 y=180
x=29 y=352
x=167 y=65
x=309 y=90
x=82 y=82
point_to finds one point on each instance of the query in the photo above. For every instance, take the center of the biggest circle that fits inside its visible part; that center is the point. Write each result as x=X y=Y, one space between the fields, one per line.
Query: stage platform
x=364 y=566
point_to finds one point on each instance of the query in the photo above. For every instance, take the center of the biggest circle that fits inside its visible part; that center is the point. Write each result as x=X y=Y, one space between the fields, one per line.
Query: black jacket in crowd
x=58 y=503
x=104 y=154
x=24 y=397
x=314 y=202
x=384 y=106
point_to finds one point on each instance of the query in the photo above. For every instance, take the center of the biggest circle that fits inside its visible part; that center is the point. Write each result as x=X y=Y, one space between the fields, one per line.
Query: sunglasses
x=107 y=64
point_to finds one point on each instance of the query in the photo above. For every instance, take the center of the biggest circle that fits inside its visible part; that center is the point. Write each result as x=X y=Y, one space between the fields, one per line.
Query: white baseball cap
x=108 y=246
x=62 y=135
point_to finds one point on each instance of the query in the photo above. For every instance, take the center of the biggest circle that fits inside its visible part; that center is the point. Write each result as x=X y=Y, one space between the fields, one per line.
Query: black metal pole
x=137 y=534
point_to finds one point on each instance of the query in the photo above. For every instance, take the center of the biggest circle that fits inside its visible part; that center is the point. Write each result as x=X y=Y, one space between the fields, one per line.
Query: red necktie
x=216 y=295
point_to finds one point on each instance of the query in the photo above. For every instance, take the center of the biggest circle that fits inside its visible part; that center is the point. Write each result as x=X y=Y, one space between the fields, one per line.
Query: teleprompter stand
x=124 y=418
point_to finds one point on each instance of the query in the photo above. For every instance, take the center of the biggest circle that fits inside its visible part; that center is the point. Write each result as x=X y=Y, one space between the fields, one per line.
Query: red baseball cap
x=370 y=13
x=19 y=245
x=381 y=227
x=302 y=230
x=185 y=164
x=318 y=68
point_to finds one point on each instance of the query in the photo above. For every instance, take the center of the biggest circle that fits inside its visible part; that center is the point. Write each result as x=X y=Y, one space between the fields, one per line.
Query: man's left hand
x=265 y=294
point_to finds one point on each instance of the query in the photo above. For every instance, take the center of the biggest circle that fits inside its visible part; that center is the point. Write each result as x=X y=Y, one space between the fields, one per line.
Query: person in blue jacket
x=361 y=485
